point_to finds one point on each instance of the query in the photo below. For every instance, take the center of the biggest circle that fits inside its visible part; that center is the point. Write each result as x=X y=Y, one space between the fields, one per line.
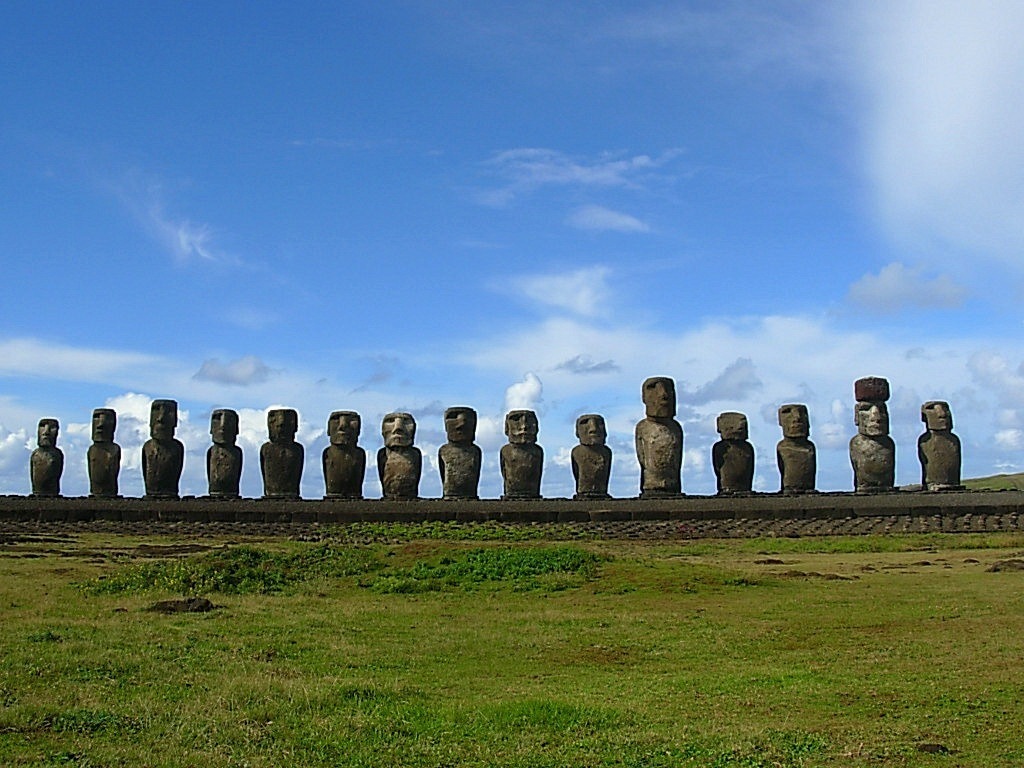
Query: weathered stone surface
x=47 y=461
x=795 y=453
x=281 y=458
x=399 y=462
x=224 y=458
x=733 y=456
x=938 y=448
x=104 y=455
x=872 y=451
x=459 y=460
x=344 y=462
x=871 y=388
x=521 y=459
x=163 y=457
x=592 y=458
x=659 y=441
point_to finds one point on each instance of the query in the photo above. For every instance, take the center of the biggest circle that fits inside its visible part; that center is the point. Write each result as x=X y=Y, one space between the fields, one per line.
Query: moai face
x=163 y=419
x=872 y=419
x=224 y=426
x=659 y=394
x=343 y=428
x=282 y=424
x=732 y=426
x=460 y=424
x=104 y=422
x=46 y=434
x=398 y=430
x=794 y=421
x=938 y=417
x=591 y=430
x=521 y=427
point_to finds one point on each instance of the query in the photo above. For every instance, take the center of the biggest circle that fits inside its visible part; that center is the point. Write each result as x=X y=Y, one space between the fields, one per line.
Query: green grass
x=1013 y=482
x=810 y=652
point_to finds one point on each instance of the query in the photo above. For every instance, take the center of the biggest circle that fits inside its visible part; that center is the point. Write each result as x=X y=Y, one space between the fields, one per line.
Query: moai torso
x=104 y=465
x=874 y=463
x=459 y=465
x=400 y=469
x=521 y=468
x=344 y=470
x=281 y=464
x=47 y=465
x=224 y=470
x=162 y=463
x=733 y=461
x=939 y=449
x=591 y=467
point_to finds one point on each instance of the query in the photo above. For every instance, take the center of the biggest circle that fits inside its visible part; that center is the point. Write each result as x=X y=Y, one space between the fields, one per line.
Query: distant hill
x=997 y=483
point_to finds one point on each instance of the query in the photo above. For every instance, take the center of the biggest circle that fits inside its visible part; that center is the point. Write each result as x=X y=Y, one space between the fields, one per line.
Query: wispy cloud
x=525 y=170
x=241 y=372
x=738 y=382
x=584 y=364
x=898 y=287
x=597 y=218
x=582 y=292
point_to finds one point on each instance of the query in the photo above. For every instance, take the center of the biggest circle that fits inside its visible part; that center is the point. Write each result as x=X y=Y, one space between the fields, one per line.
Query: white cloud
x=941 y=83
x=583 y=292
x=897 y=286
x=737 y=382
x=584 y=364
x=597 y=218
x=525 y=394
x=34 y=357
x=528 y=169
x=241 y=372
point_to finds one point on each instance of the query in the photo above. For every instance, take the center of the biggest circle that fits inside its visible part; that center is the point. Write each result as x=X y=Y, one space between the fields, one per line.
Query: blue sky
x=411 y=205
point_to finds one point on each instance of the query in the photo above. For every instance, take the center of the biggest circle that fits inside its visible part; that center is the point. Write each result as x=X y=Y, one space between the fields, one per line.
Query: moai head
x=398 y=430
x=343 y=427
x=937 y=416
x=460 y=424
x=659 y=394
x=591 y=430
x=104 y=422
x=282 y=424
x=871 y=418
x=224 y=426
x=521 y=427
x=163 y=419
x=46 y=434
x=794 y=421
x=872 y=388
x=732 y=425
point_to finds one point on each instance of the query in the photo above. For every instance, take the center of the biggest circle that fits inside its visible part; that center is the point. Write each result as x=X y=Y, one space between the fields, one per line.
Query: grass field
x=862 y=651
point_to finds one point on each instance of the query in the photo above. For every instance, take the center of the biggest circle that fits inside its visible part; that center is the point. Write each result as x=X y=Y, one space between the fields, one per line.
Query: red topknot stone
x=871 y=388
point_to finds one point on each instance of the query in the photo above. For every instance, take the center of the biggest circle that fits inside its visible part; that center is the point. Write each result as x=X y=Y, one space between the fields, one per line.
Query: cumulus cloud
x=582 y=292
x=897 y=287
x=597 y=218
x=241 y=372
x=525 y=394
x=584 y=364
x=525 y=170
x=941 y=81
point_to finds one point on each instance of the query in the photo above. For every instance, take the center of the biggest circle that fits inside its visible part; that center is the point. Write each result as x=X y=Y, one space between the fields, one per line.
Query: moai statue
x=939 y=449
x=224 y=458
x=399 y=462
x=104 y=456
x=872 y=451
x=163 y=457
x=521 y=459
x=659 y=441
x=796 y=455
x=281 y=458
x=459 y=460
x=344 y=461
x=591 y=459
x=47 y=461
x=732 y=456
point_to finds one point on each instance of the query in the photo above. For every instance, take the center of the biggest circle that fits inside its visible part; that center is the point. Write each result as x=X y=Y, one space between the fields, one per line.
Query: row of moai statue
x=659 y=449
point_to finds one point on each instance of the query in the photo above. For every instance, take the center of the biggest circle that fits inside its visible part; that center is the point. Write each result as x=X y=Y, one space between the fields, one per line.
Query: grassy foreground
x=865 y=651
